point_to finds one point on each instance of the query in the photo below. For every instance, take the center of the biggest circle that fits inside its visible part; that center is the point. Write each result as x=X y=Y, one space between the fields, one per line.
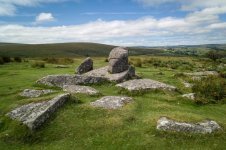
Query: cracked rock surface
x=112 y=102
x=205 y=127
x=66 y=79
x=34 y=93
x=80 y=89
x=33 y=115
x=145 y=84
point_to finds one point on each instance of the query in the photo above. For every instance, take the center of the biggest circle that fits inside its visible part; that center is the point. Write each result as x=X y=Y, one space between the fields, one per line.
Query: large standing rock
x=166 y=124
x=80 y=89
x=86 y=66
x=145 y=84
x=118 y=60
x=35 y=114
x=34 y=93
x=112 y=102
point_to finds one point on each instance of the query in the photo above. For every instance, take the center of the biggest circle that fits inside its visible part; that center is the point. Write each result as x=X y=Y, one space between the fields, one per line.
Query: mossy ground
x=79 y=126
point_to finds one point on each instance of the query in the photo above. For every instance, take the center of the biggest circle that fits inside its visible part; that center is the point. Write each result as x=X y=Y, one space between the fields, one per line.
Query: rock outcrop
x=80 y=89
x=118 y=77
x=61 y=80
x=118 y=60
x=145 y=84
x=112 y=102
x=86 y=66
x=205 y=127
x=34 y=93
x=33 y=115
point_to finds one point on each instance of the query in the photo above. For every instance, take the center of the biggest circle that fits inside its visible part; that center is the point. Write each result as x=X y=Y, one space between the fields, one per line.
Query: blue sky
x=117 y=22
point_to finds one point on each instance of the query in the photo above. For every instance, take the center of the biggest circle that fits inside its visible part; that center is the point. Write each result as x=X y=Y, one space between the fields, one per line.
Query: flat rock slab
x=205 y=127
x=189 y=96
x=33 y=115
x=204 y=73
x=34 y=93
x=145 y=84
x=61 y=80
x=117 y=77
x=80 y=89
x=187 y=85
x=112 y=102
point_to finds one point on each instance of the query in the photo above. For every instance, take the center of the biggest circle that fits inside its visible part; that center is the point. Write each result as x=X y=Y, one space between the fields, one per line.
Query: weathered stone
x=34 y=93
x=112 y=102
x=34 y=115
x=118 y=77
x=205 y=127
x=145 y=84
x=189 y=96
x=204 y=73
x=187 y=85
x=118 y=60
x=61 y=80
x=86 y=66
x=80 y=89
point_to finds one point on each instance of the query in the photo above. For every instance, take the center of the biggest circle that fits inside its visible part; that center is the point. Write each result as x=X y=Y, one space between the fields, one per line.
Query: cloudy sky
x=117 y=22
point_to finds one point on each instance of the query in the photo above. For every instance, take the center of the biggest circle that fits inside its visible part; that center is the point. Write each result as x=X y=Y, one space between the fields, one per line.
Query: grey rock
x=80 y=89
x=145 y=84
x=61 y=80
x=204 y=73
x=117 y=77
x=112 y=102
x=34 y=93
x=189 y=96
x=205 y=127
x=86 y=66
x=118 y=60
x=33 y=115
x=187 y=85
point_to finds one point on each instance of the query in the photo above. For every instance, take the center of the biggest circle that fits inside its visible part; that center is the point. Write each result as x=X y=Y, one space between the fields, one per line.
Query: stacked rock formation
x=118 y=60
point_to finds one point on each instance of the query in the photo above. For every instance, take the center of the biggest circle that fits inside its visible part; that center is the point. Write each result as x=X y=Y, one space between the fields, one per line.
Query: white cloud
x=186 y=4
x=44 y=17
x=143 y=31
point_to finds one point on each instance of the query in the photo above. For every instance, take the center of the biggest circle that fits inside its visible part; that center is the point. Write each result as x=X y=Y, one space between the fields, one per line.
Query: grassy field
x=78 y=126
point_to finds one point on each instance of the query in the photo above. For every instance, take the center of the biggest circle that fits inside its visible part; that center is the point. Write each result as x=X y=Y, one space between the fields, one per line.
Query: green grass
x=77 y=125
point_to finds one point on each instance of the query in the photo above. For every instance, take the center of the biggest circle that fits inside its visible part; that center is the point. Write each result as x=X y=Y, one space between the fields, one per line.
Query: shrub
x=6 y=59
x=17 y=59
x=52 y=60
x=106 y=60
x=136 y=62
x=38 y=65
x=214 y=55
x=1 y=61
x=209 y=89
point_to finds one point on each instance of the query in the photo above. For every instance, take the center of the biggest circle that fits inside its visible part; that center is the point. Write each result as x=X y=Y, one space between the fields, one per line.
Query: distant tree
x=214 y=55
x=17 y=59
x=6 y=59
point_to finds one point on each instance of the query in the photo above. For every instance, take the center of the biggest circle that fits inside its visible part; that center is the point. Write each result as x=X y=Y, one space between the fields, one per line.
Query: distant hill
x=66 y=50
x=95 y=49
